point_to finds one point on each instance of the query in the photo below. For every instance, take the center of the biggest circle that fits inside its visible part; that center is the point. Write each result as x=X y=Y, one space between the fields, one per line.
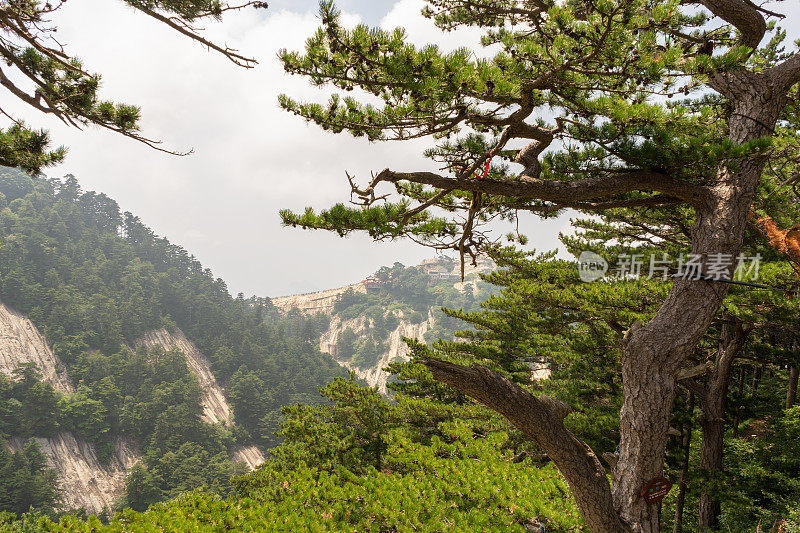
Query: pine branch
x=533 y=188
x=541 y=419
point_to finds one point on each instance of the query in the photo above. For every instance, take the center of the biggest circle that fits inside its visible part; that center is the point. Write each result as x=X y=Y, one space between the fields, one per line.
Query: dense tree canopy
x=94 y=280
x=666 y=113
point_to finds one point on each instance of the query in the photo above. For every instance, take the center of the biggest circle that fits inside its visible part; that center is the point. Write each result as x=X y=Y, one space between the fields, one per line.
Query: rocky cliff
x=439 y=270
x=216 y=408
x=21 y=342
x=314 y=302
x=375 y=376
x=85 y=481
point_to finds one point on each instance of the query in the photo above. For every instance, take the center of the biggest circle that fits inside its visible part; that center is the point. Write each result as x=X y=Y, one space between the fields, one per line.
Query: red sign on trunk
x=656 y=490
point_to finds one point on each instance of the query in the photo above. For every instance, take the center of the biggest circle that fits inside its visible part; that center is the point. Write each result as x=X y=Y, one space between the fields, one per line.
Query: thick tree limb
x=526 y=187
x=540 y=418
x=655 y=202
x=786 y=74
x=743 y=15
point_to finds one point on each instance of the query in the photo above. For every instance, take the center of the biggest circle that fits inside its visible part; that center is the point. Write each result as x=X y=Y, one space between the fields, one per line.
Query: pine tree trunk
x=791 y=393
x=683 y=480
x=757 y=371
x=711 y=463
x=654 y=353
x=714 y=404
x=742 y=374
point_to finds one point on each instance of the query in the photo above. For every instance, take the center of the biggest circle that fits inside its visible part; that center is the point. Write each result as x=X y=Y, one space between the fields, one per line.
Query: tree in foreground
x=39 y=71
x=644 y=105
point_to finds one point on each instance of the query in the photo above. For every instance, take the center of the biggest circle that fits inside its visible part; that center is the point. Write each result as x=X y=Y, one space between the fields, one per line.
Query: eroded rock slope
x=375 y=376
x=86 y=482
x=216 y=408
x=21 y=342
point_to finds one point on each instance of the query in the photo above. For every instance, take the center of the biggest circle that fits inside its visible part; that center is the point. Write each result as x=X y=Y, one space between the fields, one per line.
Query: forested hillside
x=429 y=458
x=96 y=282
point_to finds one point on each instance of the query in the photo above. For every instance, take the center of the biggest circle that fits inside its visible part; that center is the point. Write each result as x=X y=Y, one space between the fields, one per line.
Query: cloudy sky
x=250 y=158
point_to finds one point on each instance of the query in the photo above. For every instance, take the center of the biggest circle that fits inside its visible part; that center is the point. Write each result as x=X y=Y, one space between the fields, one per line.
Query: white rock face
x=21 y=342
x=86 y=482
x=314 y=302
x=215 y=405
x=323 y=302
x=375 y=376
x=216 y=408
x=251 y=456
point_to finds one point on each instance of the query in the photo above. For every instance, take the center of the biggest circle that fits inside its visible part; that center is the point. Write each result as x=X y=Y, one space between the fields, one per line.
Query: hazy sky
x=251 y=159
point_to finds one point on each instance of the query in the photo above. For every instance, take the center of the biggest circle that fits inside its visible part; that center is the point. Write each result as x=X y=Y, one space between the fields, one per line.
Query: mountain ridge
x=436 y=271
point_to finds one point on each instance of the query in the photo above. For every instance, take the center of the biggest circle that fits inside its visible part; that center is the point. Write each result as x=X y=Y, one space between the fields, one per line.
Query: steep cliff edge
x=396 y=294
x=398 y=291
x=21 y=342
x=314 y=302
x=375 y=375
x=216 y=408
x=215 y=405
x=86 y=482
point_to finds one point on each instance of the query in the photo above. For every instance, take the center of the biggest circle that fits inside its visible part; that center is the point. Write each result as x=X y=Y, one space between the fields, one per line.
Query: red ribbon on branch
x=485 y=170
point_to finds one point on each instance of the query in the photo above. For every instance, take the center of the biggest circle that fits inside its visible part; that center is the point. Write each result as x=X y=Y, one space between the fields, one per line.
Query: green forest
x=630 y=167
x=93 y=280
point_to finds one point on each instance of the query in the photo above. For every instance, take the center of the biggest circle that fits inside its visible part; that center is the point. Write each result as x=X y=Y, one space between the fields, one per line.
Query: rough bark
x=541 y=418
x=683 y=480
x=713 y=403
x=534 y=188
x=654 y=352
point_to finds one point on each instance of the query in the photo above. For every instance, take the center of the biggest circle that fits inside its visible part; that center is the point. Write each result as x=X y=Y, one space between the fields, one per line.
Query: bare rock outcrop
x=323 y=302
x=215 y=406
x=250 y=455
x=87 y=483
x=375 y=376
x=21 y=342
x=314 y=302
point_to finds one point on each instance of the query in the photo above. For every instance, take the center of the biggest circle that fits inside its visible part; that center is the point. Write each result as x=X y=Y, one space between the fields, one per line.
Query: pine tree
x=581 y=96
x=61 y=84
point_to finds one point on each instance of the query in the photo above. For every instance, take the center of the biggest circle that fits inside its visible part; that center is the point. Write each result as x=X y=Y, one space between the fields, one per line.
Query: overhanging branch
x=584 y=190
x=743 y=15
x=540 y=418
x=786 y=74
